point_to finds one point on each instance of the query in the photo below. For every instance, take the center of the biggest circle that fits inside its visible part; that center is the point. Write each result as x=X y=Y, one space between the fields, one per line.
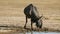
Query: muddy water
x=40 y=33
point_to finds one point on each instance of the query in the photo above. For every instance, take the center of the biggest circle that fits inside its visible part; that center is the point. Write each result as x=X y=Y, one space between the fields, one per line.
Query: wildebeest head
x=39 y=22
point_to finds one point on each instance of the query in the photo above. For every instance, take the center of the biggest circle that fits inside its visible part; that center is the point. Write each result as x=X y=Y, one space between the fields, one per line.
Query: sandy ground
x=11 y=13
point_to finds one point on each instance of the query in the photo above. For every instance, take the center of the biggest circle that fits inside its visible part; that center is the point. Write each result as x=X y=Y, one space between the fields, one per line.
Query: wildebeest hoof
x=31 y=28
x=24 y=27
x=40 y=27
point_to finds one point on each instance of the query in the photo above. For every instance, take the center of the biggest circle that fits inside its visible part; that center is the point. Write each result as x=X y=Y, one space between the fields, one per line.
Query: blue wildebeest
x=31 y=12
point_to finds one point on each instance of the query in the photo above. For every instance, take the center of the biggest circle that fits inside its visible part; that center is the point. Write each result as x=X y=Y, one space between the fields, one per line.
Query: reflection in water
x=29 y=32
x=42 y=32
x=33 y=32
x=26 y=32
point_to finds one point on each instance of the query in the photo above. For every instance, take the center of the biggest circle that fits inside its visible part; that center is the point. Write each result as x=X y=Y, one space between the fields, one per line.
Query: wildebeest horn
x=40 y=17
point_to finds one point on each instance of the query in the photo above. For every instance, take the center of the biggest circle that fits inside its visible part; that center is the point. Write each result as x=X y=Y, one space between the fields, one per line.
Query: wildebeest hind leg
x=31 y=25
x=25 y=23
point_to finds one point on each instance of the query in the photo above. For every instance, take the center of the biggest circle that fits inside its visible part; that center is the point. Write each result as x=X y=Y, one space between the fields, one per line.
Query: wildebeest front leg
x=31 y=25
x=25 y=23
